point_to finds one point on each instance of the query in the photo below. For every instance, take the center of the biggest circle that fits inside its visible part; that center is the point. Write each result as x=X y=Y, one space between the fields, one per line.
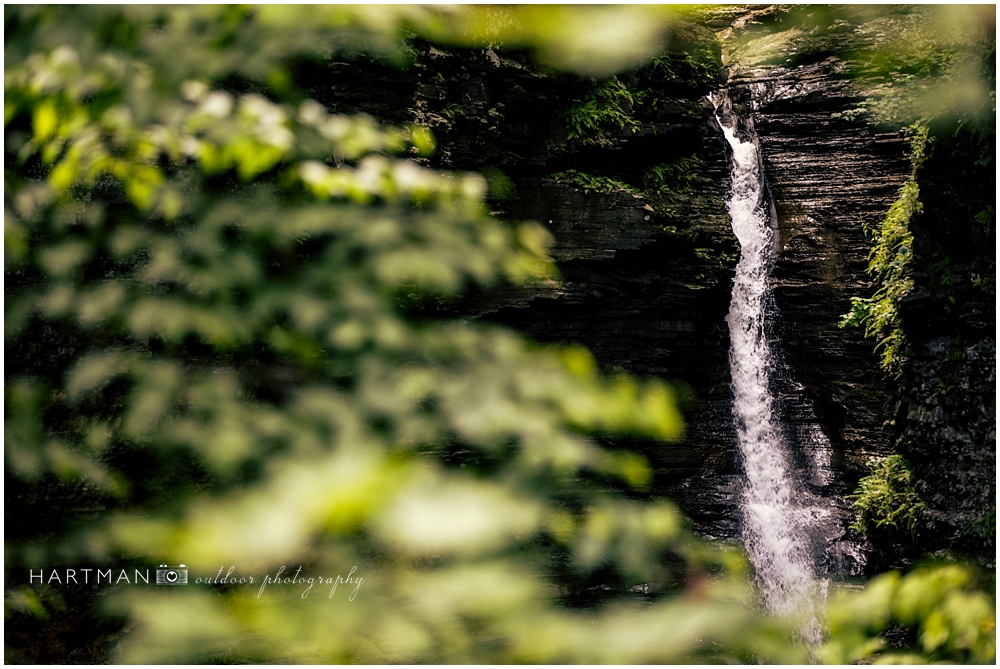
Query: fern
x=886 y=498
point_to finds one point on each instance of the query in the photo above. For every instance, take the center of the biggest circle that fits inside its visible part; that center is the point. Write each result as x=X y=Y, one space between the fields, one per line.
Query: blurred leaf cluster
x=220 y=352
x=907 y=63
x=927 y=62
x=935 y=613
x=215 y=338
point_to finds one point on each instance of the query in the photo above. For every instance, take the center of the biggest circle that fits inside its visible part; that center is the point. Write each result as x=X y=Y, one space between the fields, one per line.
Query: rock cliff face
x=645 y=249
x=645 y=267
x=829 y=176
x=945 y=414
x=833 y=172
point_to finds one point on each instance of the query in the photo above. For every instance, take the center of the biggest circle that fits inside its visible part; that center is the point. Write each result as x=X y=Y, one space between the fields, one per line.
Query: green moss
x=454 y=110
x=889 y=263
x=886 y=497
x=663 y=180
x=986 y=217
x=702 y=65
x=591 y=183
x=986 y=525
x=607 y=110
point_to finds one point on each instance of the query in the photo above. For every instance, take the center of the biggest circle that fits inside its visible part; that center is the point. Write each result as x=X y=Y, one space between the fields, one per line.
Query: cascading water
x=776 y=521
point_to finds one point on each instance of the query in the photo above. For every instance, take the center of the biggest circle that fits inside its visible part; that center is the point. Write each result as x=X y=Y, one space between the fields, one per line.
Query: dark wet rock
x=946 y=411
x=829 y=176
x=832 y=172
x=645 y=277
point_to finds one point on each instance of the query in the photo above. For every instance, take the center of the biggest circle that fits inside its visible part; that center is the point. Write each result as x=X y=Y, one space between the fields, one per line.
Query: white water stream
x=776 y=513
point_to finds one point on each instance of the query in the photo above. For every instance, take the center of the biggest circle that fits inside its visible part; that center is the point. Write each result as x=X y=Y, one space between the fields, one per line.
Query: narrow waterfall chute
x=776 y=526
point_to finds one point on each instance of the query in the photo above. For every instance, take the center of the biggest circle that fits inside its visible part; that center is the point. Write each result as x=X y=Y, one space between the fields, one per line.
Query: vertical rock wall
x=645 y=271
x=646 y=275
x=829 y=177
x=833 y=171
x=945 y=414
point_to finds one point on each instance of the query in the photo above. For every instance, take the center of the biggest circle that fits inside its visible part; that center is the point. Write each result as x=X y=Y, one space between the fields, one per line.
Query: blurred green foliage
x=905 y=62
x=934 y=614
x=211 y=338
x=217 y=355
x=934 y=61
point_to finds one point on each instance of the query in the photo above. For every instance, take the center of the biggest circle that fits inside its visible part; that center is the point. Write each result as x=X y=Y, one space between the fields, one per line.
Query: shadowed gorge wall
x=646 y=274
x=645 y=260
x=945 y=413
x=835 y=166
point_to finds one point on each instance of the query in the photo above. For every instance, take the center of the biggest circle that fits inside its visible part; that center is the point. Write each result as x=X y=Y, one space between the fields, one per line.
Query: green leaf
x=45 y=120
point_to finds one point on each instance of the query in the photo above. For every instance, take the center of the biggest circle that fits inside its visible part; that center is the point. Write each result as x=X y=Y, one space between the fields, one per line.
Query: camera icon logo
x=166 y=575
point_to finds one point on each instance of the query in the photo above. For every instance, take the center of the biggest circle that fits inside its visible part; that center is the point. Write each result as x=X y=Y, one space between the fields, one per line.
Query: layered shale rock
x=646 y=253
x=833 y=172
x=829 y=176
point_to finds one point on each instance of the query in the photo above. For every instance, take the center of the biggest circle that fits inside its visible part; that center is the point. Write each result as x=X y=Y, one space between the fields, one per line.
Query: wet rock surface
x=829 y=177
x=645 y=276
x=833 y=171
x=945 y=415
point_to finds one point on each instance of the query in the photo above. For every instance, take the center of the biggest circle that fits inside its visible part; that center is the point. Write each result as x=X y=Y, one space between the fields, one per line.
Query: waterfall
x=777 y=511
